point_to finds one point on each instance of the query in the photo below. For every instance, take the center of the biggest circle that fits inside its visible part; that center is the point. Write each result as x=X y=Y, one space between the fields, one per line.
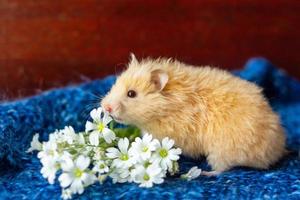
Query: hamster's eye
x=131 y=93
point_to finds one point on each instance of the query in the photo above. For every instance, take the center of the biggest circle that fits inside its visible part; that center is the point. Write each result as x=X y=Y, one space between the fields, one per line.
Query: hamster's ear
x=159 y=78
x=133 y=60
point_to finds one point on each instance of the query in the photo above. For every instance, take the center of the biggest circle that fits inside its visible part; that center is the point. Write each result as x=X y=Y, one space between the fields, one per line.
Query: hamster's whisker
x=85 y=112
x=93 y=95
x=88 y=107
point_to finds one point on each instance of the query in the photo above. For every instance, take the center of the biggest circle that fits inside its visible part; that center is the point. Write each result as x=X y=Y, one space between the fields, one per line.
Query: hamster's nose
x=108 y=108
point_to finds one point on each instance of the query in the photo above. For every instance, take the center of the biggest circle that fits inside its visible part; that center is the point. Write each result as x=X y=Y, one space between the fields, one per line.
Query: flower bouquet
x=104 y=150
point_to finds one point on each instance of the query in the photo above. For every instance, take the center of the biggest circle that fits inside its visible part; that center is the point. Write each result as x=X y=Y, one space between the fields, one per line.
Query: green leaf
x=112 y=124
x=131 y=132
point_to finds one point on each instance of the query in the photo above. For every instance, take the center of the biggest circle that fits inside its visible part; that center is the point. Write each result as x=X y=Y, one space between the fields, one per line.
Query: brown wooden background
x=50 y=43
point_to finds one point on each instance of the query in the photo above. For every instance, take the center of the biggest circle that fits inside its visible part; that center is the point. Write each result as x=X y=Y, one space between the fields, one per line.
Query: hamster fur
x=207 y=111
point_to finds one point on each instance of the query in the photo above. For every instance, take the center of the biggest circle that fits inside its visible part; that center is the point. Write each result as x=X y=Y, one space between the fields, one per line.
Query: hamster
x=207 y=111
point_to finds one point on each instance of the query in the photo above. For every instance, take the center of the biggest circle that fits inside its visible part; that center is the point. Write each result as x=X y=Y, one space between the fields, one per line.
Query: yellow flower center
x=146 y=177
x=78 y=173
x=102 y=166
x=163 y=153
x=101 y=127
x=124 y=157
x=145 y=149
x=57 y=165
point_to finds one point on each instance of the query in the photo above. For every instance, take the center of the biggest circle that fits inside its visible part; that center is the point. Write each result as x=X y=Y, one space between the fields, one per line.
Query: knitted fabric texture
x=20 y=176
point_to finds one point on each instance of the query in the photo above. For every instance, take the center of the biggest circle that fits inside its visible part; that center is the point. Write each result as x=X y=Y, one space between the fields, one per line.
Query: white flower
x=56 y=137
x=49 y=151
x=66 y=194
x=49 y=169
x=80 y=138
x=35 y=144
x=165 y=154
x=98 y=153
x=193 y=173
x=76 y=174
x=69 y=134
x=98 y=128
x=144 y=163
x=51 y=165
x=121 y=158
x=100 y=167
x=121 y=175
x=141 y=149
x=81 y=161
x=50 y=160
x=146 y=176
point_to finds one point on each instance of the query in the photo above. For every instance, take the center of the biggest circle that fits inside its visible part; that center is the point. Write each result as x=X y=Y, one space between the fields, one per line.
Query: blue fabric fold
x=19 y=120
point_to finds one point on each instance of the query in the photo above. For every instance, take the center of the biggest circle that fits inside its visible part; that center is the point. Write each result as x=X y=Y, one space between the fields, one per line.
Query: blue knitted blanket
x=19 y=172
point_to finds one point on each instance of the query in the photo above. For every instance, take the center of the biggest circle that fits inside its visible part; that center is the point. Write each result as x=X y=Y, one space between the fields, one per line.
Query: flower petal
x=65 y=179
x=106 y=119
x=145 y=155
x=66 y=163
x=194 y=172
x=77 y=187
x=167 y=143
x=147 y=184
x=174 y=154
x=173 y=157
x=66 y=194
x=96 y=114
x=108 y=135
x=82 y=162
x=158 y=180
x=156 y=144
x=88 y=179
x=89 y=126
x=153 y=170
x=94 y=138
x=163 y=164
x=112 y=152
x=123 y=145
x=80 y=138
x=169 y=164
x=35 y=144
x=147 y=138
x=137 y=140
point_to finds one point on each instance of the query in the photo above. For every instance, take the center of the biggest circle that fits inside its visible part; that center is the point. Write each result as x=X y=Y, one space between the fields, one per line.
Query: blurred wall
x=46 y=43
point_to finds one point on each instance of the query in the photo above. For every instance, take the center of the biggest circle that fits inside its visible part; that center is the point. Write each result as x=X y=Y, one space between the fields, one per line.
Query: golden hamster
x=207 y=111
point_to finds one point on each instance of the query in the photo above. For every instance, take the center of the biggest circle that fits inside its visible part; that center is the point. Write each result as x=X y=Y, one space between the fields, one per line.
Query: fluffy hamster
x=207 y=111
